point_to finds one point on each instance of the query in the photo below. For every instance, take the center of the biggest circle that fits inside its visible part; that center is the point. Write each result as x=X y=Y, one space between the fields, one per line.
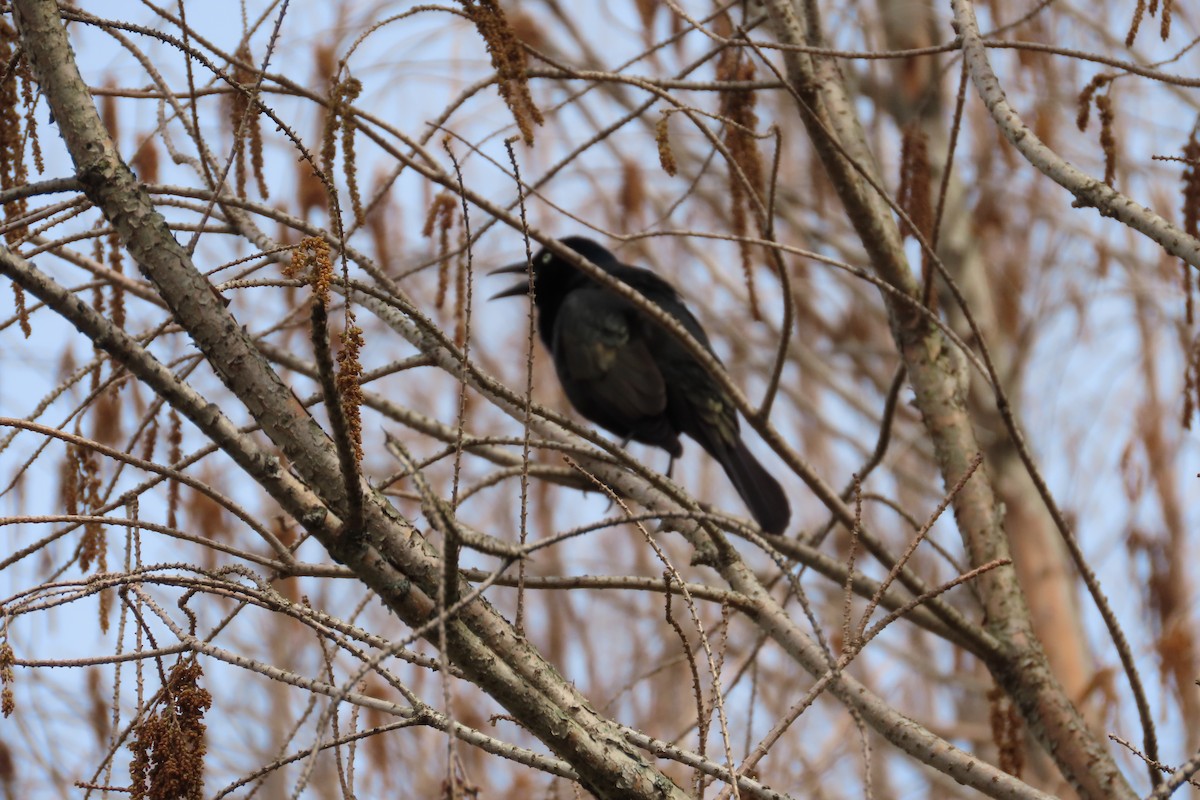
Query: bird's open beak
x=521 y=288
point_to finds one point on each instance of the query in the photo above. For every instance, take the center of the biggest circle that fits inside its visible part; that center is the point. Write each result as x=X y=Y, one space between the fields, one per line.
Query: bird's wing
x=664 y=295
x=599 y=348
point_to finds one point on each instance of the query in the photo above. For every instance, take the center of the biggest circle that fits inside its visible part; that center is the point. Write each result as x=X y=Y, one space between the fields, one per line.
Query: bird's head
x=554 y=276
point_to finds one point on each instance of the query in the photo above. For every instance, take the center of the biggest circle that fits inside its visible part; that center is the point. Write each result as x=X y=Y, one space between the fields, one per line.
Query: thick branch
x=398 y=564
x=938 y=380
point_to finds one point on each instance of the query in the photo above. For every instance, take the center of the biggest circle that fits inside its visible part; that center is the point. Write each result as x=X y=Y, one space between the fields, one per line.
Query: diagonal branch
x=1088 y=191
x=939 y=383
x=397 y=563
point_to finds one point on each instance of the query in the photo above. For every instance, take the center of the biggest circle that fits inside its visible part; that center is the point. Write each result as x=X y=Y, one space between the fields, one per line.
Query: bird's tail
x=759 y=490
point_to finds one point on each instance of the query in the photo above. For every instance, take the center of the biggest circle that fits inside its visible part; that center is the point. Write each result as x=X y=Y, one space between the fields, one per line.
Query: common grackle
x=631 y=376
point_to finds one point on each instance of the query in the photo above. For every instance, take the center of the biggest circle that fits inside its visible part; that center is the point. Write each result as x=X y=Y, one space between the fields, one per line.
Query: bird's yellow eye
x=546 y=257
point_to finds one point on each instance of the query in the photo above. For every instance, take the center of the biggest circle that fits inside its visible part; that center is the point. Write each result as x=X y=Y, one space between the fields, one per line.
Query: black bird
x=632 y=377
